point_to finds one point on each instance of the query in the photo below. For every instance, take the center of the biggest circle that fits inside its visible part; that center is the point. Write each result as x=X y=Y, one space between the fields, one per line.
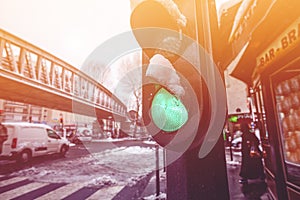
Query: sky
x=68 y=29
x=72 y=30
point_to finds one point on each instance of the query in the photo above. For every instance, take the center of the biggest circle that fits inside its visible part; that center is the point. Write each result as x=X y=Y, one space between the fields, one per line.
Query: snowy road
x=121 y=165
x=89 y=166
x=100 y=169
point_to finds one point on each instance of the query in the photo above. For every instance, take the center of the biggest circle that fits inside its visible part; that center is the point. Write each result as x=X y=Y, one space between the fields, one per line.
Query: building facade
x=17 y=111
x=267 y=33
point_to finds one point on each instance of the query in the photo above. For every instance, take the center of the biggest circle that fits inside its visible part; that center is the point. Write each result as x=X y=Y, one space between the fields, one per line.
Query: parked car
x=84 y=135
x=27 y=140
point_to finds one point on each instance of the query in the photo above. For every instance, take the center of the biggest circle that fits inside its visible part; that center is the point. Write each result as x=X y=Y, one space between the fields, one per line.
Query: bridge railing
x=29 y=62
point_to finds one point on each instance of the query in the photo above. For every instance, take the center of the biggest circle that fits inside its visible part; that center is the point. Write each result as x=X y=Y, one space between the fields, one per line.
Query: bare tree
x=128 y=88
x=122 y=77
x=96 y=70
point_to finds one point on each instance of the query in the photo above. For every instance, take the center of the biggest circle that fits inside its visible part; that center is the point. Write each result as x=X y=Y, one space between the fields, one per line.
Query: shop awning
x=223 y=51
x=279 y=16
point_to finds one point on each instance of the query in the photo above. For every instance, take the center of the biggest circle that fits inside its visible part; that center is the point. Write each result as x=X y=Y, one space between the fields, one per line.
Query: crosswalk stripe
x=106 y=193
x=62 y=192
x=59 y=193
x=21 y=190
x=39 y=192
x=12 y=180
x=82 y=193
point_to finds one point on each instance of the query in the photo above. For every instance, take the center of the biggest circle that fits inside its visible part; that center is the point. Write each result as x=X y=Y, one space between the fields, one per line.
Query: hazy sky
x=69 y=29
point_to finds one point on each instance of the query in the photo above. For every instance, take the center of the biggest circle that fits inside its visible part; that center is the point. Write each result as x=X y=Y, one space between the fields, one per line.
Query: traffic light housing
x=177 y=122
x=155 y=25
x=172 y=120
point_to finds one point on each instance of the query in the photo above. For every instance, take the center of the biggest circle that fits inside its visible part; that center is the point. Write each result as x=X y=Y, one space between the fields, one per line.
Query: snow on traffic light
x=174 y=102
x=183 y=92
x=167 y=110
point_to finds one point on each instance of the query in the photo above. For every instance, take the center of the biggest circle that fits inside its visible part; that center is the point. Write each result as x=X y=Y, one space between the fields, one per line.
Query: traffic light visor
x=167 y=111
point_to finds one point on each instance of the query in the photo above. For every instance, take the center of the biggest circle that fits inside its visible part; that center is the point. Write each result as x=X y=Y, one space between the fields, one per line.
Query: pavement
x=254 y=190
x=147 y=190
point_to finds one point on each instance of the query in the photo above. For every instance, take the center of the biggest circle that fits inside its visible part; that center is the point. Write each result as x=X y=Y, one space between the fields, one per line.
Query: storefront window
x=287 y=97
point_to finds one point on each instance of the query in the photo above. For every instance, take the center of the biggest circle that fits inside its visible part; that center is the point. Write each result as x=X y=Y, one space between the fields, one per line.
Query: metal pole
x=230 y=147
x=157 y=170
x=164 y=159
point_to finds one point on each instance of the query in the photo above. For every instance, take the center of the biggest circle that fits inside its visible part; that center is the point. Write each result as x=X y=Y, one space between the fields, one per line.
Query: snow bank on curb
x=161 y=196
x=118 y=166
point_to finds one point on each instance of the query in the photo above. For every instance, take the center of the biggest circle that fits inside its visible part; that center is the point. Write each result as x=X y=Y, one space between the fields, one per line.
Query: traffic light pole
x=190 y=177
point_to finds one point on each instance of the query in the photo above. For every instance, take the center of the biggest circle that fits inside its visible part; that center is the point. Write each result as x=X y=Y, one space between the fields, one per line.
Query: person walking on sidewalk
x=252 y=166
x=3 y=132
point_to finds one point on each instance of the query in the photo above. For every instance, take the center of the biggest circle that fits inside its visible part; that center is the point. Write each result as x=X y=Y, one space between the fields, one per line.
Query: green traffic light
x=233 y=119
x=168 y=112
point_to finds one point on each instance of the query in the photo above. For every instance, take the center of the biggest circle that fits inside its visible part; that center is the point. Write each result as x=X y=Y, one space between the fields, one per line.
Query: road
x=102 y=170
x=96 y=170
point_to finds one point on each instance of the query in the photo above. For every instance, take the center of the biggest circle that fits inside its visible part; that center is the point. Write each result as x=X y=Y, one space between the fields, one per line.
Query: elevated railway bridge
x=31 y=75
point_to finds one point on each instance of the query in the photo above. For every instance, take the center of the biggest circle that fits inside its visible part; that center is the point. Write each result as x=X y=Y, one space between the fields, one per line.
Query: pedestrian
x=252 y=166
x=3 y=132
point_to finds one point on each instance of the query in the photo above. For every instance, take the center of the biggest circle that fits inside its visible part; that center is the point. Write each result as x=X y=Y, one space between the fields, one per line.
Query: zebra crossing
x=22 y=188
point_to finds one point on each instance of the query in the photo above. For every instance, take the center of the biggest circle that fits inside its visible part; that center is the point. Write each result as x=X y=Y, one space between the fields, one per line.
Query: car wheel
x=24 y=157
x=63 y=150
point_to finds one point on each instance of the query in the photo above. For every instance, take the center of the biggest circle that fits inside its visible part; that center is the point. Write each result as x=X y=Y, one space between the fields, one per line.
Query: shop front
x=270 y=66
x=275 y=86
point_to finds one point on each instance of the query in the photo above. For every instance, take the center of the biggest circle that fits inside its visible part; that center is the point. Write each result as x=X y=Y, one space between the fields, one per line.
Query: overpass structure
x=31 y=75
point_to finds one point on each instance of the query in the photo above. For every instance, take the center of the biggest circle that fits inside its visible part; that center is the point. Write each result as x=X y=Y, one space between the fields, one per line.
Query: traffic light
x=233 y=118
x=176 y=104
x=160 y=24
x=173 y=104
x=184 y=99
x=167 y=111
x=179 y=85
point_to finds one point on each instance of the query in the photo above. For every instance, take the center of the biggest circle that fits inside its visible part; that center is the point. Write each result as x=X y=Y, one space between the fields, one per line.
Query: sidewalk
x=150 y=191
x=254 y=190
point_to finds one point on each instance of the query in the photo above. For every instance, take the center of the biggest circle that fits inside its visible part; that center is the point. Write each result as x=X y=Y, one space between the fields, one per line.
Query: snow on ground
x=113 y=139
x=151 y=193
x=233 y=162
x=118 y=166
x=150 y=142
x=154 y=197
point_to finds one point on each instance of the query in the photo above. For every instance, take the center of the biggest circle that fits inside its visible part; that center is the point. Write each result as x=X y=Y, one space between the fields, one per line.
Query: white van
x=27 y=140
